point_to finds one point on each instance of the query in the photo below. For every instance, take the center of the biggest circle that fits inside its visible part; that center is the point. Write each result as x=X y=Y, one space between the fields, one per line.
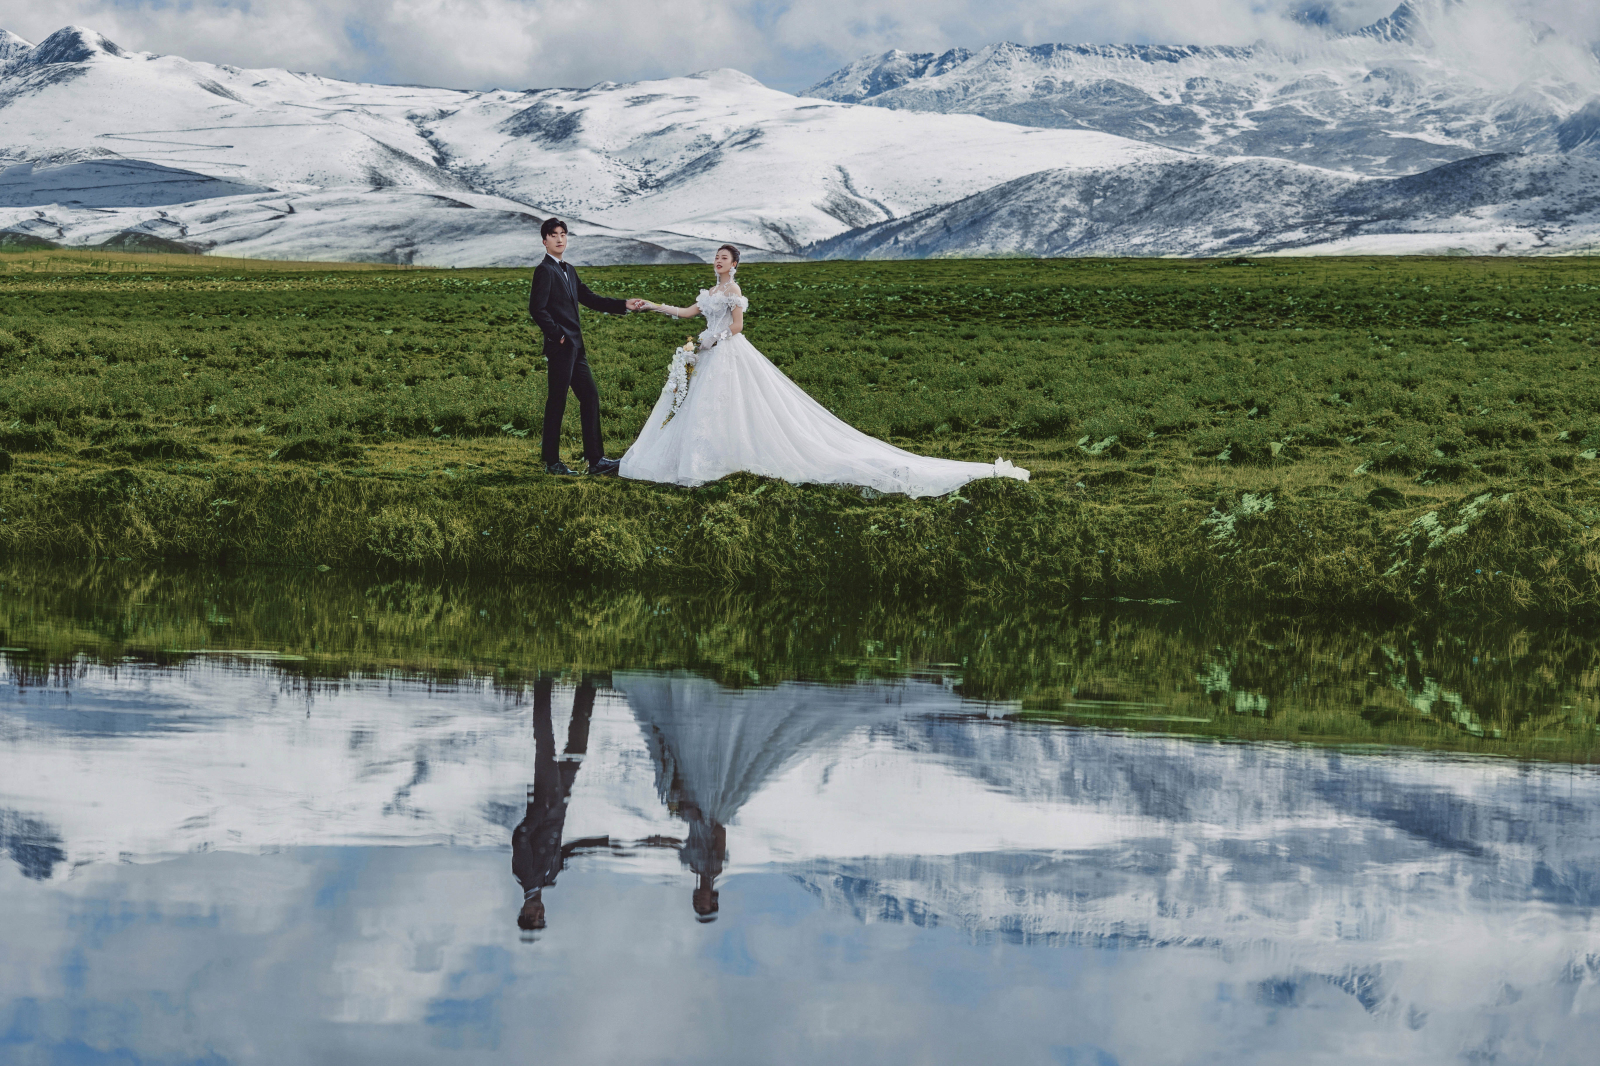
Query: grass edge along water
x=1489 y=689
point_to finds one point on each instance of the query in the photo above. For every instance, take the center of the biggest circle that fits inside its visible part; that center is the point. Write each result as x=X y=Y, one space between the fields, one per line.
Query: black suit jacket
x=553 y=303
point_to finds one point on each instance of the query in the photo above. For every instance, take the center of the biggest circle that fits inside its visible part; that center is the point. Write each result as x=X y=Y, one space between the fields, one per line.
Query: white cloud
x=459 y=43
x=787 y=43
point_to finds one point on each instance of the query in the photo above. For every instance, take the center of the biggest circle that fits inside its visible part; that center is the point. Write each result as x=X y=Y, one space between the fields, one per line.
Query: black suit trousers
x=569 y=368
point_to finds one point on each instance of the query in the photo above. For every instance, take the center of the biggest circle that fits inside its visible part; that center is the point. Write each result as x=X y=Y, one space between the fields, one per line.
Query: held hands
x=660 y=309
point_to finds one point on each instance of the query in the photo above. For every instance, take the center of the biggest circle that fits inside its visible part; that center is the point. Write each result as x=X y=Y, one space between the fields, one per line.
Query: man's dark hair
x=550 y=226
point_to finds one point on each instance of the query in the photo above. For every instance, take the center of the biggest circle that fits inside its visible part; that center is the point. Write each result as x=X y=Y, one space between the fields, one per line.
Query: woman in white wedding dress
x=738 y=412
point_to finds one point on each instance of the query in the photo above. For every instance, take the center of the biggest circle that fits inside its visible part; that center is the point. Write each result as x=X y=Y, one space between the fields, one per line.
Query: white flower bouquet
x=680 y=374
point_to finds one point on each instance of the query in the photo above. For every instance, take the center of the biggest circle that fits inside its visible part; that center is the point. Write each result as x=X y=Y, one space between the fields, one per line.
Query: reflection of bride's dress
x=742 y=413
x=715 y=747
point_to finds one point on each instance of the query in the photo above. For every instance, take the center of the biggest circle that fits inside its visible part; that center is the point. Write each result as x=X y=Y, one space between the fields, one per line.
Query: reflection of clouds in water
x=405 y=956
x=1463 y=803
x=975 y=874
x=220 y=757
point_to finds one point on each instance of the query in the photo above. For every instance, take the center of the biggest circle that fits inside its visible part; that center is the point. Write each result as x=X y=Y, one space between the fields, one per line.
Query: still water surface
x=248 y=824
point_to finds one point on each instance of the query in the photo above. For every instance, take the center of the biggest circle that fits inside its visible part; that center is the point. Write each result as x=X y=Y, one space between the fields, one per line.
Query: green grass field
x=1359 y=395
x=1411 y=366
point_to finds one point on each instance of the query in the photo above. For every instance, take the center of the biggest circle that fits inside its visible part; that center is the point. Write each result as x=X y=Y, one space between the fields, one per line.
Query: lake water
x=312 y=818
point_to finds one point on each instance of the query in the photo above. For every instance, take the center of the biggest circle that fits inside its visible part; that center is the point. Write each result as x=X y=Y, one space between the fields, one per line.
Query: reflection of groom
x=553 y=304
x=536 y=852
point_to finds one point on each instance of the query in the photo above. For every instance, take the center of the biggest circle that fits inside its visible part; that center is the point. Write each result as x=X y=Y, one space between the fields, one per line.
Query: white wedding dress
x=742 y=414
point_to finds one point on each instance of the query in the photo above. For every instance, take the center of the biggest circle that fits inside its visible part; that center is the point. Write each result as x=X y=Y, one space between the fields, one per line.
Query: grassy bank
x=1399 y=434
x=1495 y=689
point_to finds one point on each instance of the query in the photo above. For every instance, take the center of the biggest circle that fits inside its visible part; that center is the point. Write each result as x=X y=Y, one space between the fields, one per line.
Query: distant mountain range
x=1407 y=93
x=1390 y=139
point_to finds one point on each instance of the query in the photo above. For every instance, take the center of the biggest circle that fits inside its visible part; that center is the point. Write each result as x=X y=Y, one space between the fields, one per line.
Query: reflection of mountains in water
x=890 y=798
x=35 y=846
x=221 y=756
x=1227 y=843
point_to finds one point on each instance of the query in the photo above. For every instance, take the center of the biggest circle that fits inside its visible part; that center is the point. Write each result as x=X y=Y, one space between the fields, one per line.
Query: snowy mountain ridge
x=1260 y=148
x=652 y=169
x=1434 y=82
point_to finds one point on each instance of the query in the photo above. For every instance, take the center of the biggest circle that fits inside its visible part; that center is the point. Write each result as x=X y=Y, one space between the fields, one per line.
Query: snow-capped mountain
x=1436 y=81
x=677 y=165
x=1383 y=140
x=1522 y=205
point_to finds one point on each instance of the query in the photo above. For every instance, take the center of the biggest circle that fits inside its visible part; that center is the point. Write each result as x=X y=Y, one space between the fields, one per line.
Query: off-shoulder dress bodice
x=718 y=309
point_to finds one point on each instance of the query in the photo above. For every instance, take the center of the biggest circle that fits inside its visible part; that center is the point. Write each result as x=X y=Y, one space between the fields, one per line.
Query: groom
x=553 y=304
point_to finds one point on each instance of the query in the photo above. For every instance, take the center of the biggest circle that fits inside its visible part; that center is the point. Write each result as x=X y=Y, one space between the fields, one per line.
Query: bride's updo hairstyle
x=731 y=250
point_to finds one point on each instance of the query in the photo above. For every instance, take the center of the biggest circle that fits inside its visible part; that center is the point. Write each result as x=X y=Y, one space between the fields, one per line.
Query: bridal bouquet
x=679 y=375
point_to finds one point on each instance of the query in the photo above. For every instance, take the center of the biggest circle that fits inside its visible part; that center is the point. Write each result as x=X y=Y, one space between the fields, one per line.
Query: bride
x=733 y=410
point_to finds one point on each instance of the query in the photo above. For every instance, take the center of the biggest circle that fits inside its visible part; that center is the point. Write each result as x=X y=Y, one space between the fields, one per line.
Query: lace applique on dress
x=717 y=305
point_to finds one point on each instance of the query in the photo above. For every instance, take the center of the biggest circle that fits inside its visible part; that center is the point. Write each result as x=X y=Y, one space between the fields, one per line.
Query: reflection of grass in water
x=1502 y=690
x=225 y=411
x=1547 y=735
x=1507 y=690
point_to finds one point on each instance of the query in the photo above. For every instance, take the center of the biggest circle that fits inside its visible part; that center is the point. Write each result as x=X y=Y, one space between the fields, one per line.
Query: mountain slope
x=693 y=161
x=100 y=142
x=718 y=153
x=110 y=182
x=12 y=47
x=268 y=128
x=1435 y=82
x=1489 y=204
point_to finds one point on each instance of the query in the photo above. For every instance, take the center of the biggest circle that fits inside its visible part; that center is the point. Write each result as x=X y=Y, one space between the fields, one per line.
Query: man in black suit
x=553 y=304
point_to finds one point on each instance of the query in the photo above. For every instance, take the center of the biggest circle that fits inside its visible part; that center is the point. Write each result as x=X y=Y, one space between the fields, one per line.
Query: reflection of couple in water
x=713 y=748
x=537 y=853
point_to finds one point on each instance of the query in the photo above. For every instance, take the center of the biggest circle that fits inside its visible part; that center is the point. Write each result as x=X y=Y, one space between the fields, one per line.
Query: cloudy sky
x=788 y=44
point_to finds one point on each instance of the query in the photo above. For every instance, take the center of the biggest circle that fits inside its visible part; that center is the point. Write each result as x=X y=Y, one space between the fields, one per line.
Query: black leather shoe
x=605 y=467
x=557 y=468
